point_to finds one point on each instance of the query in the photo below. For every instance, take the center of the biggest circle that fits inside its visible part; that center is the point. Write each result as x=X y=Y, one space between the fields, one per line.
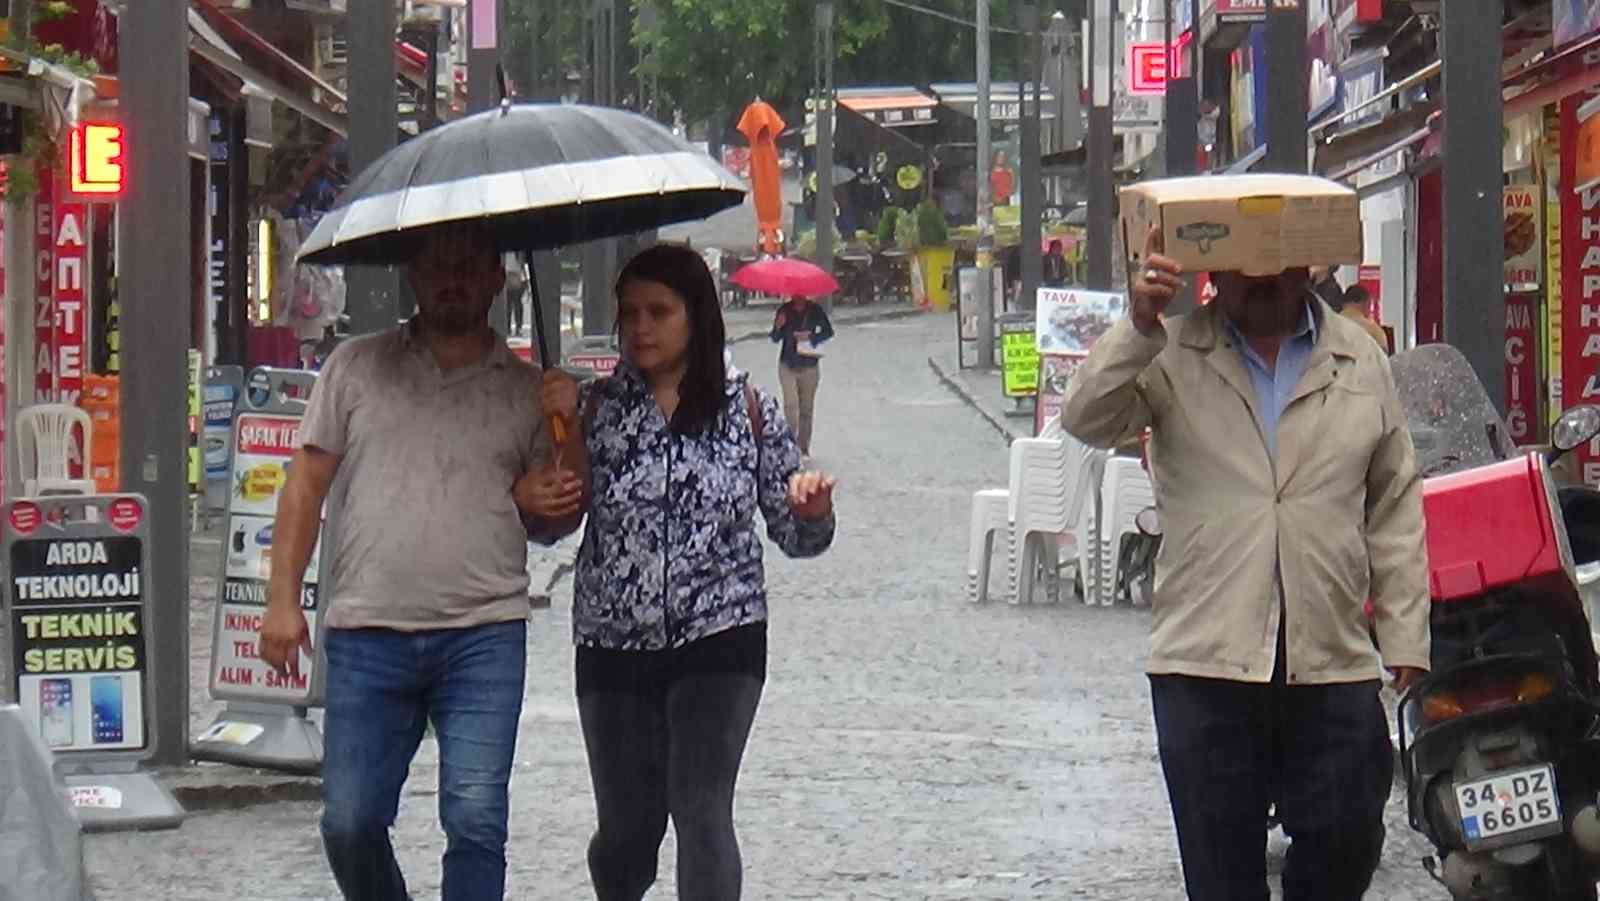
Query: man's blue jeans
x=383 y=687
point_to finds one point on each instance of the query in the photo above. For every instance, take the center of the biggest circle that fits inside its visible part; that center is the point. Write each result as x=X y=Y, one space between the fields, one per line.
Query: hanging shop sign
x=44 y=249
x=1580 y=288
x=70 y=323
x=1587 y=172
x=97 y=160
x=1147 y=67
x=1524 y=251
x=1522 y=377
x=1573 y=19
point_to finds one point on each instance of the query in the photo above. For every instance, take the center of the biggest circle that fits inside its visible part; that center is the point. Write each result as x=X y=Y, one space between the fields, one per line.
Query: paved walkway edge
x=999 y=423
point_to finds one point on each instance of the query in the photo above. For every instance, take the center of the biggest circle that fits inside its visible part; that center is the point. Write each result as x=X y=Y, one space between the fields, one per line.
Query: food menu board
x=1071 y=321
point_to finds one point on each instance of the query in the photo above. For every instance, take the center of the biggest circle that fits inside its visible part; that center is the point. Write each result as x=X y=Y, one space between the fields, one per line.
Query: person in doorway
x=801 y=326
x=1354 y=306
x=517 y=296
x=429 y=596
x=670 y=600
x=1001 y=182
x=1055 y=266
x=1289 y=495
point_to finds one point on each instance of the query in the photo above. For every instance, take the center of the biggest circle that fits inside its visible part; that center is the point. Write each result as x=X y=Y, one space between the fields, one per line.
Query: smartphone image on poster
x=105 y=694
x=55 y=712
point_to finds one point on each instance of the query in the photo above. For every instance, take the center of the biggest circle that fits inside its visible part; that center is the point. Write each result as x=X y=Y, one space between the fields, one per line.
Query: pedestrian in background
x=1289 y=495
x=1055 y=266
x=1325 y=284
x=801 y=326
x=436 y=433
x=670 y=600
x=1353 y=306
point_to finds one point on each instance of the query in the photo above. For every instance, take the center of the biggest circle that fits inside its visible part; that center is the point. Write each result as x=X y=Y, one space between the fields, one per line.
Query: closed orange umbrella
x=761 y=125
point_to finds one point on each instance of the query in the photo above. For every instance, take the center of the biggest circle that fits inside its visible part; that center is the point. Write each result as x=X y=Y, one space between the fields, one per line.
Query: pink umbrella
x=785 y=277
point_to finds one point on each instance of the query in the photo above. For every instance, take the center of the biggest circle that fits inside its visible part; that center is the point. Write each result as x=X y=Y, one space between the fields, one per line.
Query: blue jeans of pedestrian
x=383 y=688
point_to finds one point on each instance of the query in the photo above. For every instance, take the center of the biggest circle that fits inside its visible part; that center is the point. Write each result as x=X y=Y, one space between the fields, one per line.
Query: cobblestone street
x=909 y=745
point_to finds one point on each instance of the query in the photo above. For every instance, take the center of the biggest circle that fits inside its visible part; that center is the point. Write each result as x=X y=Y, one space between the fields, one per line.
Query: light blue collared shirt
x=1275 y=386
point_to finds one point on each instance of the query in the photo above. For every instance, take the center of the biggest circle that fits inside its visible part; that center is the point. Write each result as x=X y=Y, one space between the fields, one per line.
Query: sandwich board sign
x=79 y=615
x=264 y=722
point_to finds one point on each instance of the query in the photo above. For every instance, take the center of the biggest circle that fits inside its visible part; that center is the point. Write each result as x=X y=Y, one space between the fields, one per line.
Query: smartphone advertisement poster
x=78 y=627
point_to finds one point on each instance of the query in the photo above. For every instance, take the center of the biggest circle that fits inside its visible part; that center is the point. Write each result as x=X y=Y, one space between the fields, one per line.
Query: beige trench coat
x=1340 y=509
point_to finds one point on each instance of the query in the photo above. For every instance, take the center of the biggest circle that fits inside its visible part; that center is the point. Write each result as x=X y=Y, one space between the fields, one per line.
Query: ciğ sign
x=1522 y=379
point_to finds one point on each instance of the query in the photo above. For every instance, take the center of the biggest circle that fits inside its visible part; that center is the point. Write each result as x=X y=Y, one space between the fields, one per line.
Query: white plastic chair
x=47 y=449
x=1050 y=480
x=989 y=509
x=1126 y=490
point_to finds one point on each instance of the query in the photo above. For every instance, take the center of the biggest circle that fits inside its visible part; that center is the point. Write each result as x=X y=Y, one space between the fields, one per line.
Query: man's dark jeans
x=383 y=687
x=1320 y=752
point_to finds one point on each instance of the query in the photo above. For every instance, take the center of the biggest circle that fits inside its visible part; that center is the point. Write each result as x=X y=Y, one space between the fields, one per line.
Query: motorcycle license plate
x=1509 y=803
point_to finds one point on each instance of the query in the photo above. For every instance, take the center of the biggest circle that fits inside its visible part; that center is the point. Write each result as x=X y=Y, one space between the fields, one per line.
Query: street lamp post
x=1102 y=46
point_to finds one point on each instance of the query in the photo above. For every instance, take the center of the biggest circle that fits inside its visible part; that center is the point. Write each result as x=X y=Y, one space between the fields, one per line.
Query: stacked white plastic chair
x=990 y=519
x=1053 y=478
x=1125 y=490
x=48 y=439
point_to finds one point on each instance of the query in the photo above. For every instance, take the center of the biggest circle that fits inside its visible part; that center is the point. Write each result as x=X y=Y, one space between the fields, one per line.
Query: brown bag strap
x=758 y=427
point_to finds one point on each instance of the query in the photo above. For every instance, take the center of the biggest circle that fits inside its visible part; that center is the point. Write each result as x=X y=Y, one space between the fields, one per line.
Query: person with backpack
x=670 y=597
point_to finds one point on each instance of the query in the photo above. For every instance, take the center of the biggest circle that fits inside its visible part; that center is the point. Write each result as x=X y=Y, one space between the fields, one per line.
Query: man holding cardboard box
x=1289 y=495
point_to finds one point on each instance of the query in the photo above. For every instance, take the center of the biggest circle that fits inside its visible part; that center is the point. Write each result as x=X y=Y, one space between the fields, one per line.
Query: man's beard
x=453 y=320
x=1265 y=313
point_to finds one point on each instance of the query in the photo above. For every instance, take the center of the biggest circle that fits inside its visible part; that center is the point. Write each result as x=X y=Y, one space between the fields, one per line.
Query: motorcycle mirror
x=1148 y=522
x=1576 y=427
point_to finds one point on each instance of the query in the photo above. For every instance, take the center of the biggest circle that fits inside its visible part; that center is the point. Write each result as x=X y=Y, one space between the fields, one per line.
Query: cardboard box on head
x=1254 y=224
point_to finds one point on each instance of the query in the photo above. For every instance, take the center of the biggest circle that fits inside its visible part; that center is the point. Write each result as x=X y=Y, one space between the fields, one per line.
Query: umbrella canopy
x=539 y=175
x=786 y=277
x=761 y=125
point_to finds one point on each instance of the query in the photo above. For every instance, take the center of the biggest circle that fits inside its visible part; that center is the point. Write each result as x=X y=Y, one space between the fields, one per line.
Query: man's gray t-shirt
x=428 y=534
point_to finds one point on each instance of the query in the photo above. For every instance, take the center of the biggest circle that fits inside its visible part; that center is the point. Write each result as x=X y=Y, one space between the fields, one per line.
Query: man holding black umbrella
x=435 y=434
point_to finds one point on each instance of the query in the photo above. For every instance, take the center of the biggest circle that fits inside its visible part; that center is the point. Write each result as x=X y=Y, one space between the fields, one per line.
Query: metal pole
x=155 y=338
x=1287 y=85
x=824 y=199
x=600 y=257
x=373 y=292
x=1474 y=304
x=1182 y=123
x=1100 y=212
x=985 y=286
x=1032 y=183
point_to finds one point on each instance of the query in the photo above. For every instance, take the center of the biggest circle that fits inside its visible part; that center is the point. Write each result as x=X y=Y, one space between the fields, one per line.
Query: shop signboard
x=1524 y=251
x=1055 y=371
x=264 y=724
x=224 y=385
x=1580 y=289
x=1019 y=355
x=1573 y=19
x=967 y=311
x=1361 y=79
x=1587 y=174
x=78 y=618
x=1522 y=377
x=1215 y=13
x=1071 y=321
x=69 y=321
x=44 y=309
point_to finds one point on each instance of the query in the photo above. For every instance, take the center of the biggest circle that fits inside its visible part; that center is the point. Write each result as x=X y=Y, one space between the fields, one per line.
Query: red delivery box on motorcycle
x=1494 y=526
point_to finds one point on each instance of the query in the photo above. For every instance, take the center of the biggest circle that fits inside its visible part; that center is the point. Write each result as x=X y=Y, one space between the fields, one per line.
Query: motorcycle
x=1500 y=742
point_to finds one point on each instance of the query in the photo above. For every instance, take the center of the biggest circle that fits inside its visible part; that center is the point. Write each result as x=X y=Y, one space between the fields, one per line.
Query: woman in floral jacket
x=670 y=606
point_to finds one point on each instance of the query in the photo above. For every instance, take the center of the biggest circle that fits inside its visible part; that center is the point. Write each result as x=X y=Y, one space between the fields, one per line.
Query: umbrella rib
x=405 y=187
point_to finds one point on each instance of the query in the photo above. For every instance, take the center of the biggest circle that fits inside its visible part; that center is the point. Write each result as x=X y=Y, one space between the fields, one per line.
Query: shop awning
x=1005 y=104
x=227 y=43
x=894 y=107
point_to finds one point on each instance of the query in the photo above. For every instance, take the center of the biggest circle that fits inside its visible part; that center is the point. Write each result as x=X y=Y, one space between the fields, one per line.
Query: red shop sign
x=1580 y=286
x=1522 y=377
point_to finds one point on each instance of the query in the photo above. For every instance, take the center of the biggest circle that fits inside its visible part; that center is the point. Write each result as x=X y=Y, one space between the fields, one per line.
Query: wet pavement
x=909 y=745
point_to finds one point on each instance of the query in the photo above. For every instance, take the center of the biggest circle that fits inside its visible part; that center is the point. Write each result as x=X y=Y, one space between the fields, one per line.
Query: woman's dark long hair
x=703 y=392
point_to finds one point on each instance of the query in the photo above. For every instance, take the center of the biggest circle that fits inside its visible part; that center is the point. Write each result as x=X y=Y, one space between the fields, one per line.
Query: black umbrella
x=538 y=175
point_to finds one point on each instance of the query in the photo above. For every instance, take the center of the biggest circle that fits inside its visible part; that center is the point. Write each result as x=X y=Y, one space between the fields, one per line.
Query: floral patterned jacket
x=670 y=552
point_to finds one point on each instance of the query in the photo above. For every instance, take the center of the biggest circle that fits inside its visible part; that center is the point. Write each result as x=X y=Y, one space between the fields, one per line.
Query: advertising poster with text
x=79 y=641
x=265 y=447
